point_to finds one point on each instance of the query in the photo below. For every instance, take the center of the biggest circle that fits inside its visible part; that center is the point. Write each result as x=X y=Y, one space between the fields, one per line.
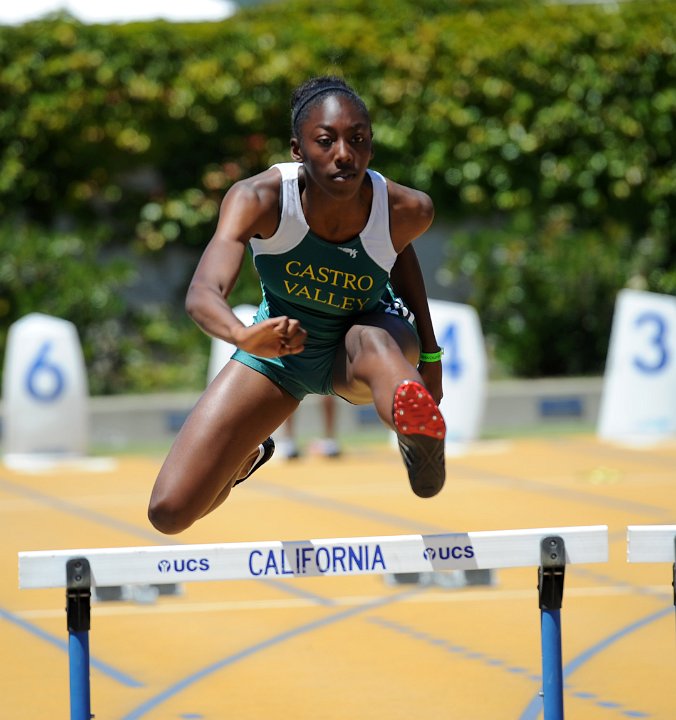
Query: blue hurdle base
x=552 y=667
x=78 y=658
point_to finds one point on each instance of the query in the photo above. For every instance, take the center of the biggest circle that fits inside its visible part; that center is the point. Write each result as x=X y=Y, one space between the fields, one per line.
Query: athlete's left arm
x=411 y=213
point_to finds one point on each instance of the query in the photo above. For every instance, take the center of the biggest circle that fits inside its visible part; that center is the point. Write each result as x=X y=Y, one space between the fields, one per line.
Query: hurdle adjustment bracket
x=78 y=595
x=551 y=573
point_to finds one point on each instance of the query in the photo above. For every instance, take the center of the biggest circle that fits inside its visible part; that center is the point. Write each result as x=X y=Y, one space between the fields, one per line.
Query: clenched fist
x=274 y=337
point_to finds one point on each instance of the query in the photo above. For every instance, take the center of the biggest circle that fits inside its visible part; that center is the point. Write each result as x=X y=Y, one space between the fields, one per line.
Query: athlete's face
x=335 y=145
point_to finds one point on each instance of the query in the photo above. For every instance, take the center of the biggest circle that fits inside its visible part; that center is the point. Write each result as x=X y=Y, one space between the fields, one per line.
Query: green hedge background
x=544 y=133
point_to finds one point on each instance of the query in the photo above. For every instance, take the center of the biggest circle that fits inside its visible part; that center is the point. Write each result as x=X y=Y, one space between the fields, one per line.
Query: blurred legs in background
x=326 y=446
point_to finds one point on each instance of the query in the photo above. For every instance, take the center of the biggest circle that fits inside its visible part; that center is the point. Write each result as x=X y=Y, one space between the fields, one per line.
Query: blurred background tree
x=543 y=132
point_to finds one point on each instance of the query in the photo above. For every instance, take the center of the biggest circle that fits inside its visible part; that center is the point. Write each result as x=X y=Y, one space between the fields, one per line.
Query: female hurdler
x=344 y=310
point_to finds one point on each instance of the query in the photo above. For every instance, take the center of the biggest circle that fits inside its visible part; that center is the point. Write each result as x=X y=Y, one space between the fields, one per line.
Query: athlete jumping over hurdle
x=344 y=310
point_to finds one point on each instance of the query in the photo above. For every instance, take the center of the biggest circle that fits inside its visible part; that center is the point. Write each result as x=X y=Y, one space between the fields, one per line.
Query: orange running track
x=355 y=648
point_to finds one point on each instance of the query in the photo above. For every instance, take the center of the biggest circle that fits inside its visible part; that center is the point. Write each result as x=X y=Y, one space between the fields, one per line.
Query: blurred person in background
x=326 y=446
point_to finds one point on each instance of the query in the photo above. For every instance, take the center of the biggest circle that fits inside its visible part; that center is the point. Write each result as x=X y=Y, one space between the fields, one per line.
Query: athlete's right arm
x=250 y=208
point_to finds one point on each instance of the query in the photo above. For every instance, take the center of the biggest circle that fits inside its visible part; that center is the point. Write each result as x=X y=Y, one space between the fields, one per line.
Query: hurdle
x=653 y=544
x=548 y=549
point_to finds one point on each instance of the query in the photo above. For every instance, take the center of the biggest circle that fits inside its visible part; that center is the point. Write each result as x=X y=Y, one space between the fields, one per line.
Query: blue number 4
x=451 y=361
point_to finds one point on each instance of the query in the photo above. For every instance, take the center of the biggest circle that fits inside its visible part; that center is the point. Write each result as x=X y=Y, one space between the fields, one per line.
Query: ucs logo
x=457 y=552
x=190 y=565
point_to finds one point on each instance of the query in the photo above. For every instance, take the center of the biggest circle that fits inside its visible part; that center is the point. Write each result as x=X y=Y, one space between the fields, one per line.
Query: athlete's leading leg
x=378 y=354
x=217 y=445
x=378 y=364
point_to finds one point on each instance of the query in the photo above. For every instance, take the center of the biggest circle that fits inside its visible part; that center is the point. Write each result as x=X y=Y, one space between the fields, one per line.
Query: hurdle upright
x=548 y=549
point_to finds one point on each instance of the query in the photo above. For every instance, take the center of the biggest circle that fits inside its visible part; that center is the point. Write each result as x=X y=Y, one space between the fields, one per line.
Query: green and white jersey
x=324 y=284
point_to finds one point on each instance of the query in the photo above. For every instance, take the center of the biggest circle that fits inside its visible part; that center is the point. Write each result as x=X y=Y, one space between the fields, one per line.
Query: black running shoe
x=265 y=451
x=421 y=432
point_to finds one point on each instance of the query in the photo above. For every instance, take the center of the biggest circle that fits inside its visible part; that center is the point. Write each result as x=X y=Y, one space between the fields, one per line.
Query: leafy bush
x=64 y=275
x=547 y=290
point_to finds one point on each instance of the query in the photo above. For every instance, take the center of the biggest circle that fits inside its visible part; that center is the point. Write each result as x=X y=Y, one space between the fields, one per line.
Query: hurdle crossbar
x=305 y=558
x=653 y=544
x=548 y=549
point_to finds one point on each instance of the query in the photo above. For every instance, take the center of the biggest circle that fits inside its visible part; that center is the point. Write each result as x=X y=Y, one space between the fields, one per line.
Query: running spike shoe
x=421 y=432
x=265 y=451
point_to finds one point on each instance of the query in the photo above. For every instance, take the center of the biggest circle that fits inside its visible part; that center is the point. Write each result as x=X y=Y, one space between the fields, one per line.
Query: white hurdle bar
x=304 y=558
x=653 y=544
x=548 y=549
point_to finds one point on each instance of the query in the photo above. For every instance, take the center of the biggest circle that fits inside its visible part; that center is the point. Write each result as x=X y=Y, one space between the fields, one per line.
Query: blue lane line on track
x=72 y=508
x=534 y=708
x=448 y=646
x=355 y=510
x=152 y=703
x=641 y=457
x=532 y=486
x=605 y=579
x=103 y=667
x=308 y=498
x=468 y=654
x=292 y=589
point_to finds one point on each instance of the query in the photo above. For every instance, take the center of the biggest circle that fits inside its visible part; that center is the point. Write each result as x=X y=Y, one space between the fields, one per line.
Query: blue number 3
x=657 y=340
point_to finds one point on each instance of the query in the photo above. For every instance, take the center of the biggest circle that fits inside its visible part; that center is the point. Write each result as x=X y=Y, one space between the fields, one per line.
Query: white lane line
x=176 y=607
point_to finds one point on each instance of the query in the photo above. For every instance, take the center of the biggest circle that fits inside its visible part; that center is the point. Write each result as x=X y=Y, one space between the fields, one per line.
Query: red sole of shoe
x=415 y=412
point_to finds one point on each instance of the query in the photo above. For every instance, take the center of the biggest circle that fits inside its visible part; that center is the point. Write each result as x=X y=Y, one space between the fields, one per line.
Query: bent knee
x=375 y=339
x=167 y=518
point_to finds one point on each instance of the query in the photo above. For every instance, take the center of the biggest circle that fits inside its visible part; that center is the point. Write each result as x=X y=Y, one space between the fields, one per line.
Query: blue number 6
x=43 y=367
x=658 y=340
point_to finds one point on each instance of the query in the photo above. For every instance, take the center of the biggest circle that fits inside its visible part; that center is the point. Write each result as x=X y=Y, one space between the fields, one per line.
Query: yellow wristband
x=431 y=357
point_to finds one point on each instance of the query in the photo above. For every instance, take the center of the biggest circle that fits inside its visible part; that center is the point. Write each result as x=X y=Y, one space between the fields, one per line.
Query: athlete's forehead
x=337 y=111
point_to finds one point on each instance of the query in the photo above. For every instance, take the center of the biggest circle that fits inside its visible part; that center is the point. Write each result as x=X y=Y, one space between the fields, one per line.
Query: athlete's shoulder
x=410 y=209
x=251 y=206
x=261 y=189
